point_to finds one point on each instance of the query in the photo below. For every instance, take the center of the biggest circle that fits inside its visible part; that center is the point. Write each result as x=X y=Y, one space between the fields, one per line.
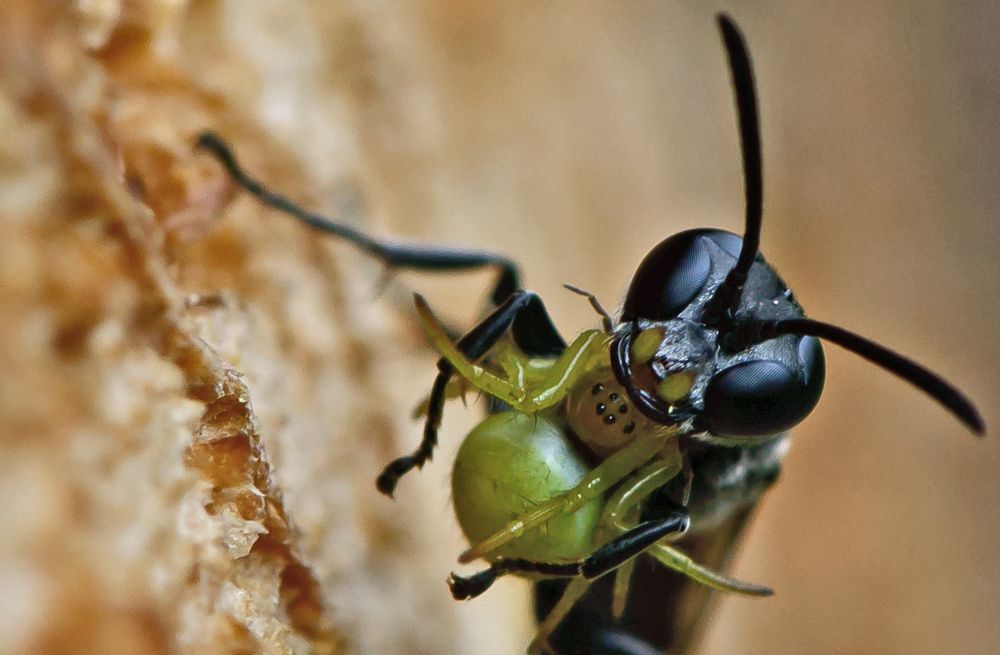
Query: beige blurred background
x=196 y=395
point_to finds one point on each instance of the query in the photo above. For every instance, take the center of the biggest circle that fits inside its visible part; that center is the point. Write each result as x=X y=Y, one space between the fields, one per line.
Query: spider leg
x=620 y=517
x=620 y=509
x=618 y=554
x=623 y=509
x=574 y=591
x=678 y=561
x=576 y=361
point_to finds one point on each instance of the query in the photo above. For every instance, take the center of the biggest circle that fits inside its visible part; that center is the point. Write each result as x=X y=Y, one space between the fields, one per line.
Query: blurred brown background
x=196 y=395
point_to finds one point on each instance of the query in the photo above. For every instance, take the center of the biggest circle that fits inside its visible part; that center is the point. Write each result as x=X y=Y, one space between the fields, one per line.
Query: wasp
x=669 y=421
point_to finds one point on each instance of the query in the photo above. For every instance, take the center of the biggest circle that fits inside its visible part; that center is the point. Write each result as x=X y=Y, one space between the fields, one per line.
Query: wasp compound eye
x=761 y=398
x=674 y=273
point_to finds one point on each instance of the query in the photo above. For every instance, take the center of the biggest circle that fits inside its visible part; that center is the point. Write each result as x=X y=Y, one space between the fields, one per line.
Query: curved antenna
x=728 y=294
x=748 y=333
x=746 y=109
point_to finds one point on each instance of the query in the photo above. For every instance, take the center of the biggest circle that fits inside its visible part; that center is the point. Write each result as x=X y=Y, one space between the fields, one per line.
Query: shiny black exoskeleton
x=758 y=392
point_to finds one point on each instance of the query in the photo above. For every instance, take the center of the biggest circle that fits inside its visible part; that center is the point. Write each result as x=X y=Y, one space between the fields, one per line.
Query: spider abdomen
x=509 y=464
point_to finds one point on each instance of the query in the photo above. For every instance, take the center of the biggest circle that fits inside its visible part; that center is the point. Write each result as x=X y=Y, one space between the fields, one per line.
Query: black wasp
x=663 y=426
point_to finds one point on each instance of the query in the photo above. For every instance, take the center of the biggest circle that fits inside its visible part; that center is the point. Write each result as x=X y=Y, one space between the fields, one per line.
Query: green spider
x=531 y=504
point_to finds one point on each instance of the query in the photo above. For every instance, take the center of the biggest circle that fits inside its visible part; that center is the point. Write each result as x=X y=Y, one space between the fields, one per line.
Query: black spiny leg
x=477 y=583
x=603 y=560
x=523 y=312
x=526 y=312
x=392 y=254
x=618 y=551
x=533 y=330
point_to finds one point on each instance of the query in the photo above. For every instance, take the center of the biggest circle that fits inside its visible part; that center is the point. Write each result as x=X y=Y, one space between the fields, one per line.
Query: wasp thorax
x=601 y=414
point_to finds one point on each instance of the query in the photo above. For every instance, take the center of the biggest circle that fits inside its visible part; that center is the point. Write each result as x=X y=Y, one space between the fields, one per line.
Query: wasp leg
x=456 y=388
x=525 y=315
x=600 y=479
x=617 y=554
x=623 y=503
x=534 y=331
x=631 y=540
x=476 y=343
x=464 y=588
x=576 y=361
x=392 y=254
x=601 y=561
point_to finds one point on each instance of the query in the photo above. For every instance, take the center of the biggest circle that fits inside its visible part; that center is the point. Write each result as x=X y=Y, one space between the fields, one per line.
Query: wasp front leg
x=476 y=343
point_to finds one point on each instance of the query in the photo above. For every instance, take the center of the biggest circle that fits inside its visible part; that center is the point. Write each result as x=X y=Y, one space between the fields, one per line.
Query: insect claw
x=472 y=586
x=386 y=485
x=389 y=478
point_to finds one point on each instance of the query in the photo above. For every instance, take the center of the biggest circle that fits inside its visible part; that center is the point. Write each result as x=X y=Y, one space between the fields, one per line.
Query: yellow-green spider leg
x=575 y=362
x=623 y=509
x=620 y=513
x=604 y=476
x=619 y=592
x=678 y=561
x=628 y=498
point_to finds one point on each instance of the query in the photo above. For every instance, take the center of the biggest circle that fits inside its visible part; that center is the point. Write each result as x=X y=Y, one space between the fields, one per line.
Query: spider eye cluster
x=602 y=416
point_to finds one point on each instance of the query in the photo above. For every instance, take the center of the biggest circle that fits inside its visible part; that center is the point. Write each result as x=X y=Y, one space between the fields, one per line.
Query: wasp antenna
x=751 y=332
x=744 y=90
x=746 y=109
